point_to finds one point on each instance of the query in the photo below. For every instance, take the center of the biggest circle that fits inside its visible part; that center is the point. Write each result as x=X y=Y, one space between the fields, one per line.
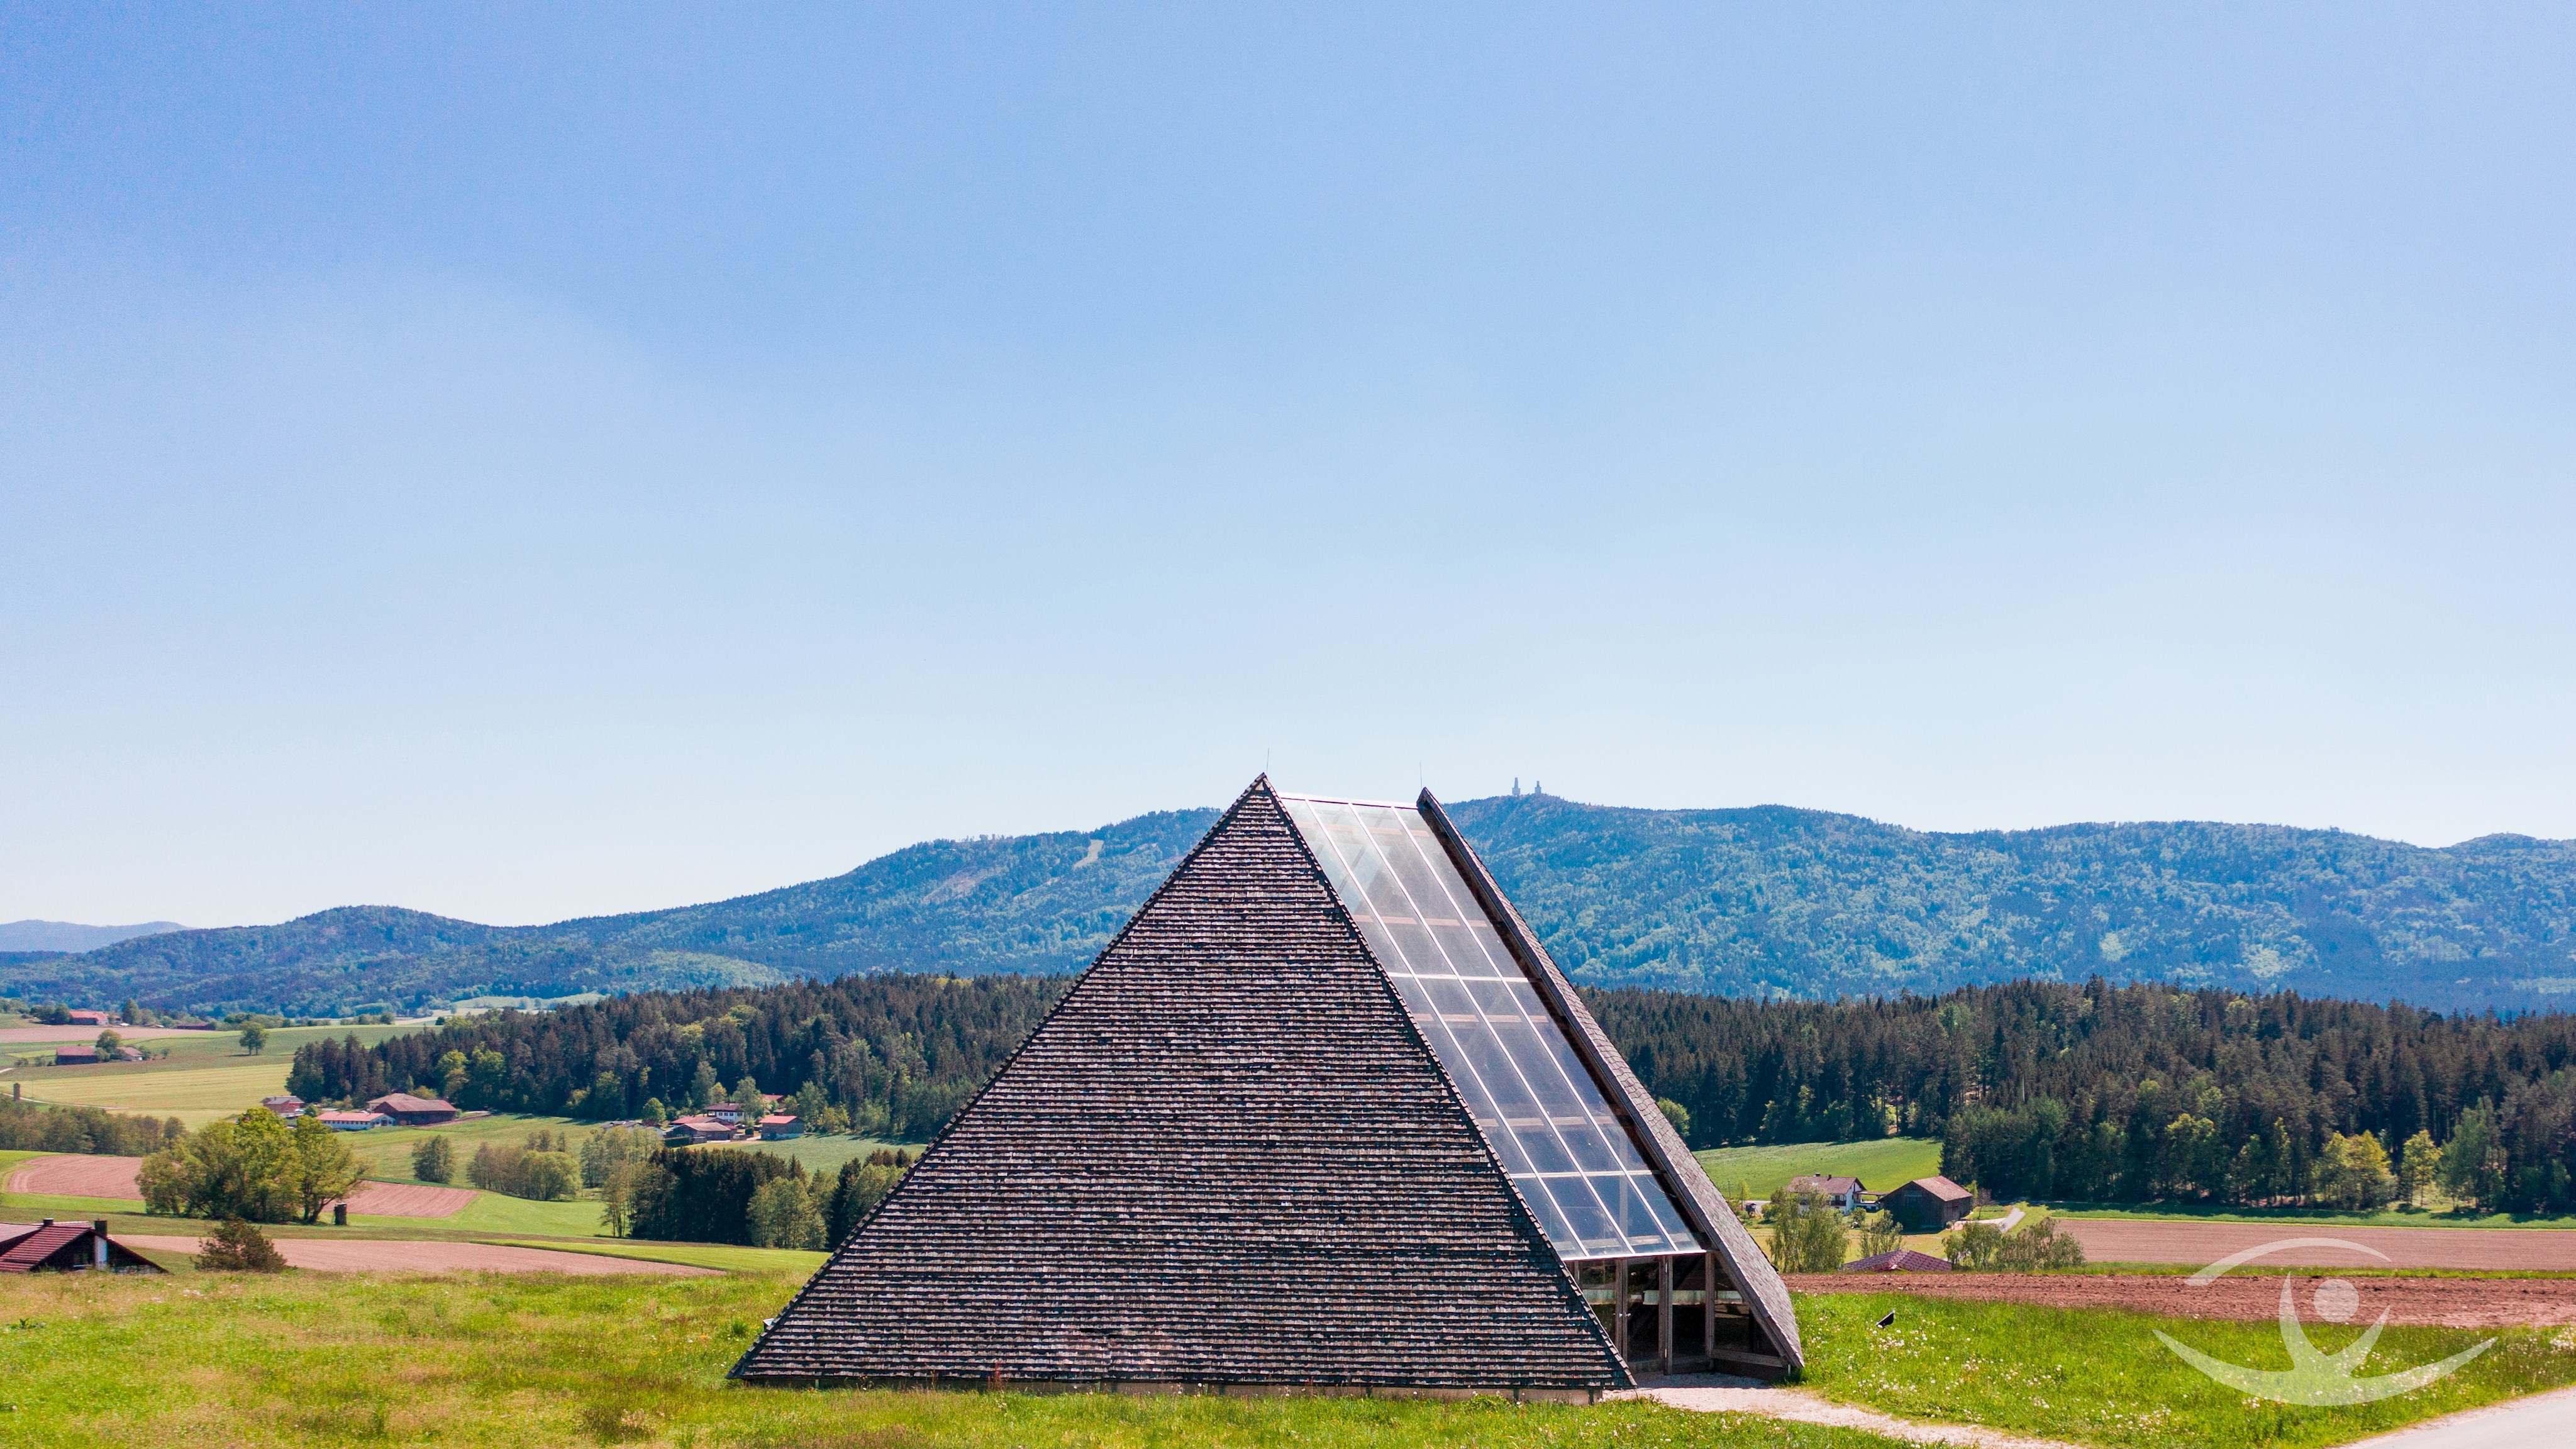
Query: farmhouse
x=91 y=1018
x=778 y=1128
x=53 y=1247
x=1842 y=1192
x=287 y=1106
x=1928 y=1204
x=685 y=1130
x=75 y=1056
x=1324 y=1115
x=409 y=1111
x=729 y=1113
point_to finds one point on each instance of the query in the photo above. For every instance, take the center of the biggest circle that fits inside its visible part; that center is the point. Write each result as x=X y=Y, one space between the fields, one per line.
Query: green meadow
x=2100 y=1377
x=206 y=1075
x=469 y=1360
x=1880 y=1164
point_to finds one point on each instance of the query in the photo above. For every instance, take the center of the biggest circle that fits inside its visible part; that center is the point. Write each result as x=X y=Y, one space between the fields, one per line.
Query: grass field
x=205 y=1077
x=775 y=1262
x=821 y=1152
x=471 y=1360
x=2098 y=1377
x=1881 y=1164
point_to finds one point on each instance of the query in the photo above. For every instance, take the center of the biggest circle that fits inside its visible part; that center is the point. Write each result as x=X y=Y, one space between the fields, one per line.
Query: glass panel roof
x=1531 y=1096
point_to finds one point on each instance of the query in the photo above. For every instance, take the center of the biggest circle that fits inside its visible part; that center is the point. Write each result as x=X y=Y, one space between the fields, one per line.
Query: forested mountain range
x=1766 y=901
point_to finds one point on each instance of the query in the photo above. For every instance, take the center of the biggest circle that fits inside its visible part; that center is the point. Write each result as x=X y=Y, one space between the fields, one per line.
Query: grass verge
x=2100 y=1377
x=470 y=1360
x=778 y=1262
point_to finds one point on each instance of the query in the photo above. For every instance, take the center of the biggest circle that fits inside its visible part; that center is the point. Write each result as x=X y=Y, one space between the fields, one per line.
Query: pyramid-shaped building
x=1324 y=1116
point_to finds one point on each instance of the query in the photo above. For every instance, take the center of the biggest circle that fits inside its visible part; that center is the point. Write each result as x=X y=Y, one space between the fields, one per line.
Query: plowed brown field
x=340 y=1255
x=71 y=1176
x=2109 y=1240
x=2445 y=1302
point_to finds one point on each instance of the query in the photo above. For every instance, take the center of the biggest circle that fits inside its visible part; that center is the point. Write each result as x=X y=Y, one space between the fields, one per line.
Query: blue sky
x=519 y=464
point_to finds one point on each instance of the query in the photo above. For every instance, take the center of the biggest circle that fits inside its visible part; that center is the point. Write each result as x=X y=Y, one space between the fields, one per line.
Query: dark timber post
x=1708 y=1307
x=1667 y=1272
x=1619 y=1320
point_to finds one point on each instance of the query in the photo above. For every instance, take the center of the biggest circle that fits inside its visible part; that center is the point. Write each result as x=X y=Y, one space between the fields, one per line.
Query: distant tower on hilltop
x=1516 y=787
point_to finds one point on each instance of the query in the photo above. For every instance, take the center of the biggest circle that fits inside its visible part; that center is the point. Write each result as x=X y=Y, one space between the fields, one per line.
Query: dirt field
x=2444 y=1302
x=408 y=1200
x=335 y=1255
x=79 y=1177
x=14 y=1035
x=117 y=1177
x=2110 y=1241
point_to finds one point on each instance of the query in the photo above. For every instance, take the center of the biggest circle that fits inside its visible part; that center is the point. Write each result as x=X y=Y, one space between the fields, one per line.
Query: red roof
x=92 y=1018
x=777 y=1119
x=1830 y=1186
x=1903 y=1260
x=23 y=1255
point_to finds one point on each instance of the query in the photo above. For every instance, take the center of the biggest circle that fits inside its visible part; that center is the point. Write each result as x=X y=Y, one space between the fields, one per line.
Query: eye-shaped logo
x=2314 y=1379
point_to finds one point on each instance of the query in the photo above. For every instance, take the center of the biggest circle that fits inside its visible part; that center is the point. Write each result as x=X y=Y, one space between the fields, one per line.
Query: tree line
x=887 y=1056
x=2135 y=1093
x=2053 y=1090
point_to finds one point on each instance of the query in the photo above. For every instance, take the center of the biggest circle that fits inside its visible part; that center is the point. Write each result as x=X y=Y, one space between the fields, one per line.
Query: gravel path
x=347 y=1255
x=1719 y=1394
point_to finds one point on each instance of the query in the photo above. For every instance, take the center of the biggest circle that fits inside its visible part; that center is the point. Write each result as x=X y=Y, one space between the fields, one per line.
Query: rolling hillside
x=1764 y=901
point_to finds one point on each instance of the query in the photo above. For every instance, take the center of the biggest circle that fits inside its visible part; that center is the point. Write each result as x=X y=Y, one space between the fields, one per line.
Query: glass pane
x=1530 y=1094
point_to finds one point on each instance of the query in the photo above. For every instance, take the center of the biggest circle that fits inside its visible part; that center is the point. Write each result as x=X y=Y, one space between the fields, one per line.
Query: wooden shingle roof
x=1226 y=1157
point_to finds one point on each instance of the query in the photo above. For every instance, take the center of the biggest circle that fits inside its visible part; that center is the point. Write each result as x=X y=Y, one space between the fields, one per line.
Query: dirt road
x=2444 y=1302
x=353 y=1255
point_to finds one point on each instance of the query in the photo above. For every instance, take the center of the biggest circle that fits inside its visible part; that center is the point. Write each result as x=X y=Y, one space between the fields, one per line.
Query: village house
x=287 y=1106
x=1843 y=1192
x=1928 y=1204
x=777 y=1127
x=53 y=1247
x=729 y=1113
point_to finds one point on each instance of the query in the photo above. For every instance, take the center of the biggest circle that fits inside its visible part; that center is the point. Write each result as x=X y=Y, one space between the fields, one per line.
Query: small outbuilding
x=1903 y=1260
x=778 y=1127
x=353 y=1121
x=1928 y=1204
x=1843 y=1192
x=52 y=1247
x=76 y=1056
x=406 y=1110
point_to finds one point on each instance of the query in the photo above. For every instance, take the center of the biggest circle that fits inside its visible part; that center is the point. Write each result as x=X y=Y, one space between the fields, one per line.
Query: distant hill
x=1767 y=901
x=64 y=936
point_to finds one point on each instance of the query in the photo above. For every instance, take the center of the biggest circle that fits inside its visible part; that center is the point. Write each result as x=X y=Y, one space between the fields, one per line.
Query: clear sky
x=527 y=461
